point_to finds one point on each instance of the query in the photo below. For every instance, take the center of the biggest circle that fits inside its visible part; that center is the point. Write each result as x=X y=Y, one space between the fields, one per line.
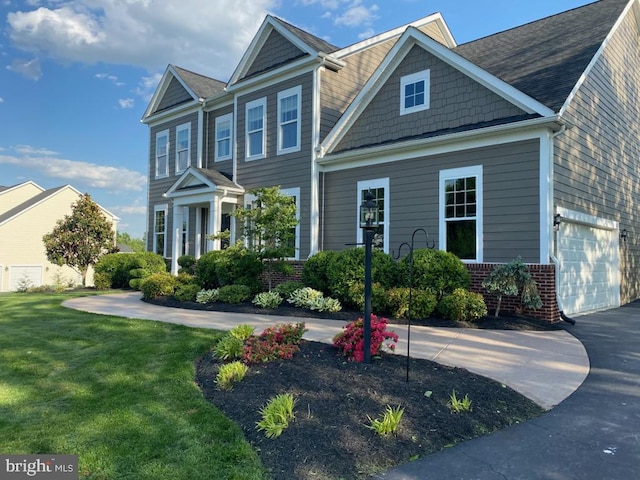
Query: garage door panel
x=589 y=268
x=32 y=274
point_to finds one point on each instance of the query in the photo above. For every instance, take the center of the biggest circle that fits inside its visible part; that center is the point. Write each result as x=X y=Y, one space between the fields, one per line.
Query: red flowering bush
x=350 y=342
x=279 y=342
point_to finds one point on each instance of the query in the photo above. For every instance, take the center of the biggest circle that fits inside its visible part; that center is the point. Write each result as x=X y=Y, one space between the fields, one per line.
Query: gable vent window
x=414 y=92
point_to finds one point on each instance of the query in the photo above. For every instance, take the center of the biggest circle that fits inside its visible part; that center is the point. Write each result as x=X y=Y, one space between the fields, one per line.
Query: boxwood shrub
x=234 y=293
x=157 y=285
x=435 y=270
x=314 y=271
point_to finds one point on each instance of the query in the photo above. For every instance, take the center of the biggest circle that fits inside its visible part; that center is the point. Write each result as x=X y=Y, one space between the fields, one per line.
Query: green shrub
x=234 y=293
x=207 y=296
x=228 y=348
x=102 y=281
x=355 y=298
x=186 y=292
x=314 y=271
x=462 y=306
x=158 y=284
x=346 y=268
x=137 y=275
x=267 y=300
x=423 y=303
x=285 y=289
x=187 y=264
x=512 y=279
x=234 y=266
x=435 y=270
x=118 y=266
x=230 y=373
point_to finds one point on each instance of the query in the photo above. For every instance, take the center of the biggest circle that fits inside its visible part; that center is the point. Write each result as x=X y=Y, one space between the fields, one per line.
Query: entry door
x=204 y=229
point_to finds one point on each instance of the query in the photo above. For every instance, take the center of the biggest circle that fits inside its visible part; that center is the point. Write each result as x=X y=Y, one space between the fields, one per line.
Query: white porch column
x=216 y=219
x=213 y=213
x=198 y=237
x=177 y=238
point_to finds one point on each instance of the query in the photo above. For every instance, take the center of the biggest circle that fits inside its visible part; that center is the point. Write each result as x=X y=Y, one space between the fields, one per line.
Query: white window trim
x=224 y=118
x=285 y=94
x=424 y=75
x=249 y=198
x=180 y=128
x=450 y=174
x=163 y=133
x=159 y=208
x=371 y=184
x=250 y=105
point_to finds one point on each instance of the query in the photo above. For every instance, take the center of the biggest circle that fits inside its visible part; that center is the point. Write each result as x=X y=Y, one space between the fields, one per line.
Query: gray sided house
x=523 y=143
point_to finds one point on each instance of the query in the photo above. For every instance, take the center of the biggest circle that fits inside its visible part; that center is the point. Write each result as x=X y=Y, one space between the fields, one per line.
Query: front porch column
x=213 y=213
x=216 y=219
x=177 y=238
x=198 y=238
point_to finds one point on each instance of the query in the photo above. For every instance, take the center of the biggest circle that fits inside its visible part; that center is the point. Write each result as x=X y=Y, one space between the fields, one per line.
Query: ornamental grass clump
x=350 y=342
x=388 y=422
x=230 y=373
x=459 y=405
x=276 y=415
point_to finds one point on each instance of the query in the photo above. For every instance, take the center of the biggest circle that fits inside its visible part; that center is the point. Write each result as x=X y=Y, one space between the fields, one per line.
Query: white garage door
x=30 y=275
x=588 y=257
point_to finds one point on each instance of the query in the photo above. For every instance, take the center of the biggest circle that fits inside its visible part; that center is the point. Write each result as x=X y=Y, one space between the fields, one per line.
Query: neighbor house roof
x=24 y=206
x=201 y=85
x=546 y=58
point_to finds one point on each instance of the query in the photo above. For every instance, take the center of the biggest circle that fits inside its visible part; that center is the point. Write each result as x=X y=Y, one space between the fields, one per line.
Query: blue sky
x=76 y=75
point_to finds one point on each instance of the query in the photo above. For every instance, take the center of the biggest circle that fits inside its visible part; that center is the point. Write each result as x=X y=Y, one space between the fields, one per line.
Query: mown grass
x=118 y=393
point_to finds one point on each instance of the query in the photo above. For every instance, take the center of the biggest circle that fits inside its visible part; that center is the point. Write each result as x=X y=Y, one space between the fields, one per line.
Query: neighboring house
x=27 y=213
x=523 y=143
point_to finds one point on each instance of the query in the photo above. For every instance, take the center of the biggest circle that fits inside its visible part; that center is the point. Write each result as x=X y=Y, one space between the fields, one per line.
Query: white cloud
x=27 y=68
x=147 y=86
x=112 y=78
x=129 y=209
x=1 y=100
x=357 y=14
x=79 y=174
x=126 y=102
x=142 y=33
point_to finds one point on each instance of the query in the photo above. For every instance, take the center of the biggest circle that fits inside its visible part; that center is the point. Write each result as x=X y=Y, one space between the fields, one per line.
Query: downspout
x=553 y=257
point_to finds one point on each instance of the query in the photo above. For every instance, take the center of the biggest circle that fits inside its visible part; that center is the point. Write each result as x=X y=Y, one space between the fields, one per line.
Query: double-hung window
x=289 y=120
x=223 y=137
x=162 y=153
x=380 y=190
x=414 y=92
x=256 y=121
x=461 y=212
x=160 y=229
x=183 y=141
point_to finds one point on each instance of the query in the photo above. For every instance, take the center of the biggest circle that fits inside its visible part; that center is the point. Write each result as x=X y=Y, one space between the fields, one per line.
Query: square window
x=414 y=92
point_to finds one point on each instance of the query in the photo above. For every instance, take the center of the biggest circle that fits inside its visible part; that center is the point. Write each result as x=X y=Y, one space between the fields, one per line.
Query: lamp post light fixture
x=368 y=222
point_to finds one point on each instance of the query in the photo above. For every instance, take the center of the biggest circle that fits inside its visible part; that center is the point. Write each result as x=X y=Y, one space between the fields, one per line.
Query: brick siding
x=544 y=275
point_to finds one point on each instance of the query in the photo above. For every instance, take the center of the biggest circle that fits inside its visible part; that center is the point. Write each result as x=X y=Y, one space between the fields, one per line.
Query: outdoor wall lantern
x=556 y=221
x=623 y=235
x=368 y=222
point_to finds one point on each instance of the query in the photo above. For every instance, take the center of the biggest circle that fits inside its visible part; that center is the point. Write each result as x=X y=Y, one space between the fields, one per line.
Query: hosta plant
x=304 y=297
x=207 y=296
x=267 y=299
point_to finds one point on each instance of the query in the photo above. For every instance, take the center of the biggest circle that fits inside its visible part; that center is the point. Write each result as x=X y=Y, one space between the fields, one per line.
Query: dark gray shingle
x=202 y=86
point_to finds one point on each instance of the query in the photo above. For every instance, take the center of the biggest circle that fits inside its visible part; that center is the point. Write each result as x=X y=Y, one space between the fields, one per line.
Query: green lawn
x=119 y=393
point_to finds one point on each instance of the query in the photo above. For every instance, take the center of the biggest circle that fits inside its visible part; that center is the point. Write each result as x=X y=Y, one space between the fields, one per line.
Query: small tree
x=513 y=279
x=80 y=239
x=269 y=228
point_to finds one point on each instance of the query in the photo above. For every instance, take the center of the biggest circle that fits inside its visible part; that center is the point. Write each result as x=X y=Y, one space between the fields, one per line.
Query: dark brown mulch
x=503 y=322
x=329 y=438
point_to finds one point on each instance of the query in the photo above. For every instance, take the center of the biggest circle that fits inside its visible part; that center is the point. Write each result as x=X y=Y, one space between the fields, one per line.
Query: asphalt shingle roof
x=545 y=58
x=202 y=85
x=216 y=177
x=314 y=42
x=29 y=203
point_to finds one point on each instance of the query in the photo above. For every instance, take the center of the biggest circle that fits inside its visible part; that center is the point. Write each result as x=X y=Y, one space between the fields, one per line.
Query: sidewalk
x=546 y=367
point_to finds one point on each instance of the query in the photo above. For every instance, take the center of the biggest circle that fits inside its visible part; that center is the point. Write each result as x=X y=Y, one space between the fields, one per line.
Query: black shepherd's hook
x=411 y=248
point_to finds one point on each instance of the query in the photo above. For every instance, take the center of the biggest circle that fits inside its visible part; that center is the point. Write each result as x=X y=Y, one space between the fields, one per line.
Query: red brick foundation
x=544 y=275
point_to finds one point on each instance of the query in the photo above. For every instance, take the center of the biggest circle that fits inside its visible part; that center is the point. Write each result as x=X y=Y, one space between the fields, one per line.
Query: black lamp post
x=368 y=222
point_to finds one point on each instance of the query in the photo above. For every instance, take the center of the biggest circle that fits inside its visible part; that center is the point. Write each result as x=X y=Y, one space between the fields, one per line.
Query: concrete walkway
x=546 y=367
